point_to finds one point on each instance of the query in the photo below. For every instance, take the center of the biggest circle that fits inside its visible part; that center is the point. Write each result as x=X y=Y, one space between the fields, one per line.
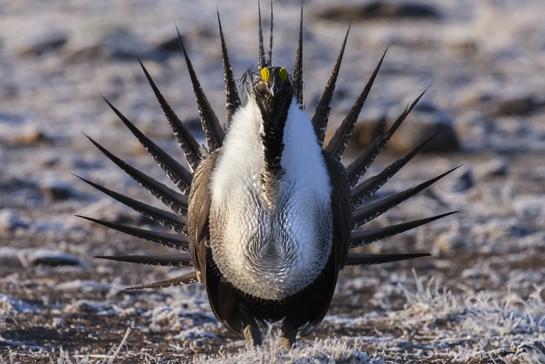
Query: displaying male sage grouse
x=265 y=214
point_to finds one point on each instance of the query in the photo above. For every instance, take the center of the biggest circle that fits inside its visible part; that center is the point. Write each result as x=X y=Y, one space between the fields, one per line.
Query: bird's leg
x=251 y=331
x=252 y=335
x=288 y=334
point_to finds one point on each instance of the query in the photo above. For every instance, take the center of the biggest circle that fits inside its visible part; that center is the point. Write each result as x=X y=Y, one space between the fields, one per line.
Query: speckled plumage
x=269 y=215
x=270 y=251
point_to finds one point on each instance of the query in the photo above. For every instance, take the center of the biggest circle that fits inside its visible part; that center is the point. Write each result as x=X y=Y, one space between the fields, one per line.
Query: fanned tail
x=232 y=100
x=184 y=138
x=178 y=174
x=364 y=237
x=367 y=188
x=181 y=280
x=162 y=217
x=171 y=260
x=338 y=142
x=211 y=126
x=372 y=210
x=321 y=116
x=172 y=199
x=358 y=168
x=175 y=241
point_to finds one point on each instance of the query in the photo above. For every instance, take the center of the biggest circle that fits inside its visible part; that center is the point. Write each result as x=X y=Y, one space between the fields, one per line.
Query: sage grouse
x=266 y=214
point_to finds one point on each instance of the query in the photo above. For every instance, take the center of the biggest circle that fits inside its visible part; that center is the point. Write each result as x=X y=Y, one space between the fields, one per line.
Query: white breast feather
x=244 y=223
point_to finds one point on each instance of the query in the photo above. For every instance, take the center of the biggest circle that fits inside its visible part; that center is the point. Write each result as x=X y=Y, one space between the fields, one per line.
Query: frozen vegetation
x=480 y=299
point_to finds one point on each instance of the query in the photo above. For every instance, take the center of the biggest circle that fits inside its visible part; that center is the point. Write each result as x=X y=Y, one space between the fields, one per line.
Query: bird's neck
x=295 y=159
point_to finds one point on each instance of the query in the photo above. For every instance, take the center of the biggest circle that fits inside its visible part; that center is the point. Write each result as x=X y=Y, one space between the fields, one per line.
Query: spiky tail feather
x=214 y=135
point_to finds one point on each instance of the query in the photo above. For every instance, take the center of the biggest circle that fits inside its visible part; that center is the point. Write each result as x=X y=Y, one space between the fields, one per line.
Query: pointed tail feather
x=364 y=237
x=165 y=218
x=180 y=176
x=170 y=240
x=186 y=278
x=298 y=68
x=172 y=199
x=261 y=61
x=271 y=35
x=171 y=260
x=358 y=168
x=321 y=116
x=377 y=208
x=211 y=126
x=339 y=141
x=367 y=259
x=231 y=93
x=184 y=138
x=367 y=188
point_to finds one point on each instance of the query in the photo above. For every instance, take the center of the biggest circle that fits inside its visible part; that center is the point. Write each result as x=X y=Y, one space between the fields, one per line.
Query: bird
x=266 y=213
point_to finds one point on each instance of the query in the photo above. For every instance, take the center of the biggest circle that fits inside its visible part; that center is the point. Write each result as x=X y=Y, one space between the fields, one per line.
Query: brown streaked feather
x=199 y=209
x=187 y=142
x=261 y=61
x=365 y=259
x=172 y=199
x=377 y=208
x=165 y=218
x=180 y=176
x=338 y=142
x=170 y=260
x=232 y=100
x=367 y=188
x=364 y=237
x=321 y=116
x=170 y=240
x=210 y=124
x=186 y=278
x=358 y=168
x=271 y=35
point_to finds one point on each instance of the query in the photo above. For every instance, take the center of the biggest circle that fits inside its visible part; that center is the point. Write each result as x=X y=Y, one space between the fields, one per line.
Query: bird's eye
x=283 y=74
x=265 y=74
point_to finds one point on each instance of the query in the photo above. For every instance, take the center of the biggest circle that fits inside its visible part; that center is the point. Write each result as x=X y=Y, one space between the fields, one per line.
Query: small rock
x=44 y=43
x=52 y=258
x=9 y=257
x=84 y=286
x=380 y=10
x=448 y=244
x=493 y=168
x=57 y=190
x=118 y=44
x=11 y=221
x=517 y=106
x=11 y=117
x=465 y=181
x=89 y=307
x=168 y=41
x=29 y=135
x=10 y=305
x=123 y=45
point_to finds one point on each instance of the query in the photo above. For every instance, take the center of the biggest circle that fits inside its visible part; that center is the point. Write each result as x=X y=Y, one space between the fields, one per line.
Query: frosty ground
x=480 y=299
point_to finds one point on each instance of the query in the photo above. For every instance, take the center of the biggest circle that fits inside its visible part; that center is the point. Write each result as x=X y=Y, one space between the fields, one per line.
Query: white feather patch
x=270 y=254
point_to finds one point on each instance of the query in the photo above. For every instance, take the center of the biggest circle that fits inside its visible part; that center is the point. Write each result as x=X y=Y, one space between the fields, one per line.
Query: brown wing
x=224 y=299
x=198 y=212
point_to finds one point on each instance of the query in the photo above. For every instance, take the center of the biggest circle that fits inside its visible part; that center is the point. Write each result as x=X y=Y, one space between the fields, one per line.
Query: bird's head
x=273 y=94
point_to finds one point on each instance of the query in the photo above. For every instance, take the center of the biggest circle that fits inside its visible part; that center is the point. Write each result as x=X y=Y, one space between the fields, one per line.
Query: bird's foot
x=252 y=336
x=287 y=338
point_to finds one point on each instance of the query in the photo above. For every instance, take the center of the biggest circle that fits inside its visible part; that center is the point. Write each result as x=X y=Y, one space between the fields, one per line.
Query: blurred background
x=484 y=63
